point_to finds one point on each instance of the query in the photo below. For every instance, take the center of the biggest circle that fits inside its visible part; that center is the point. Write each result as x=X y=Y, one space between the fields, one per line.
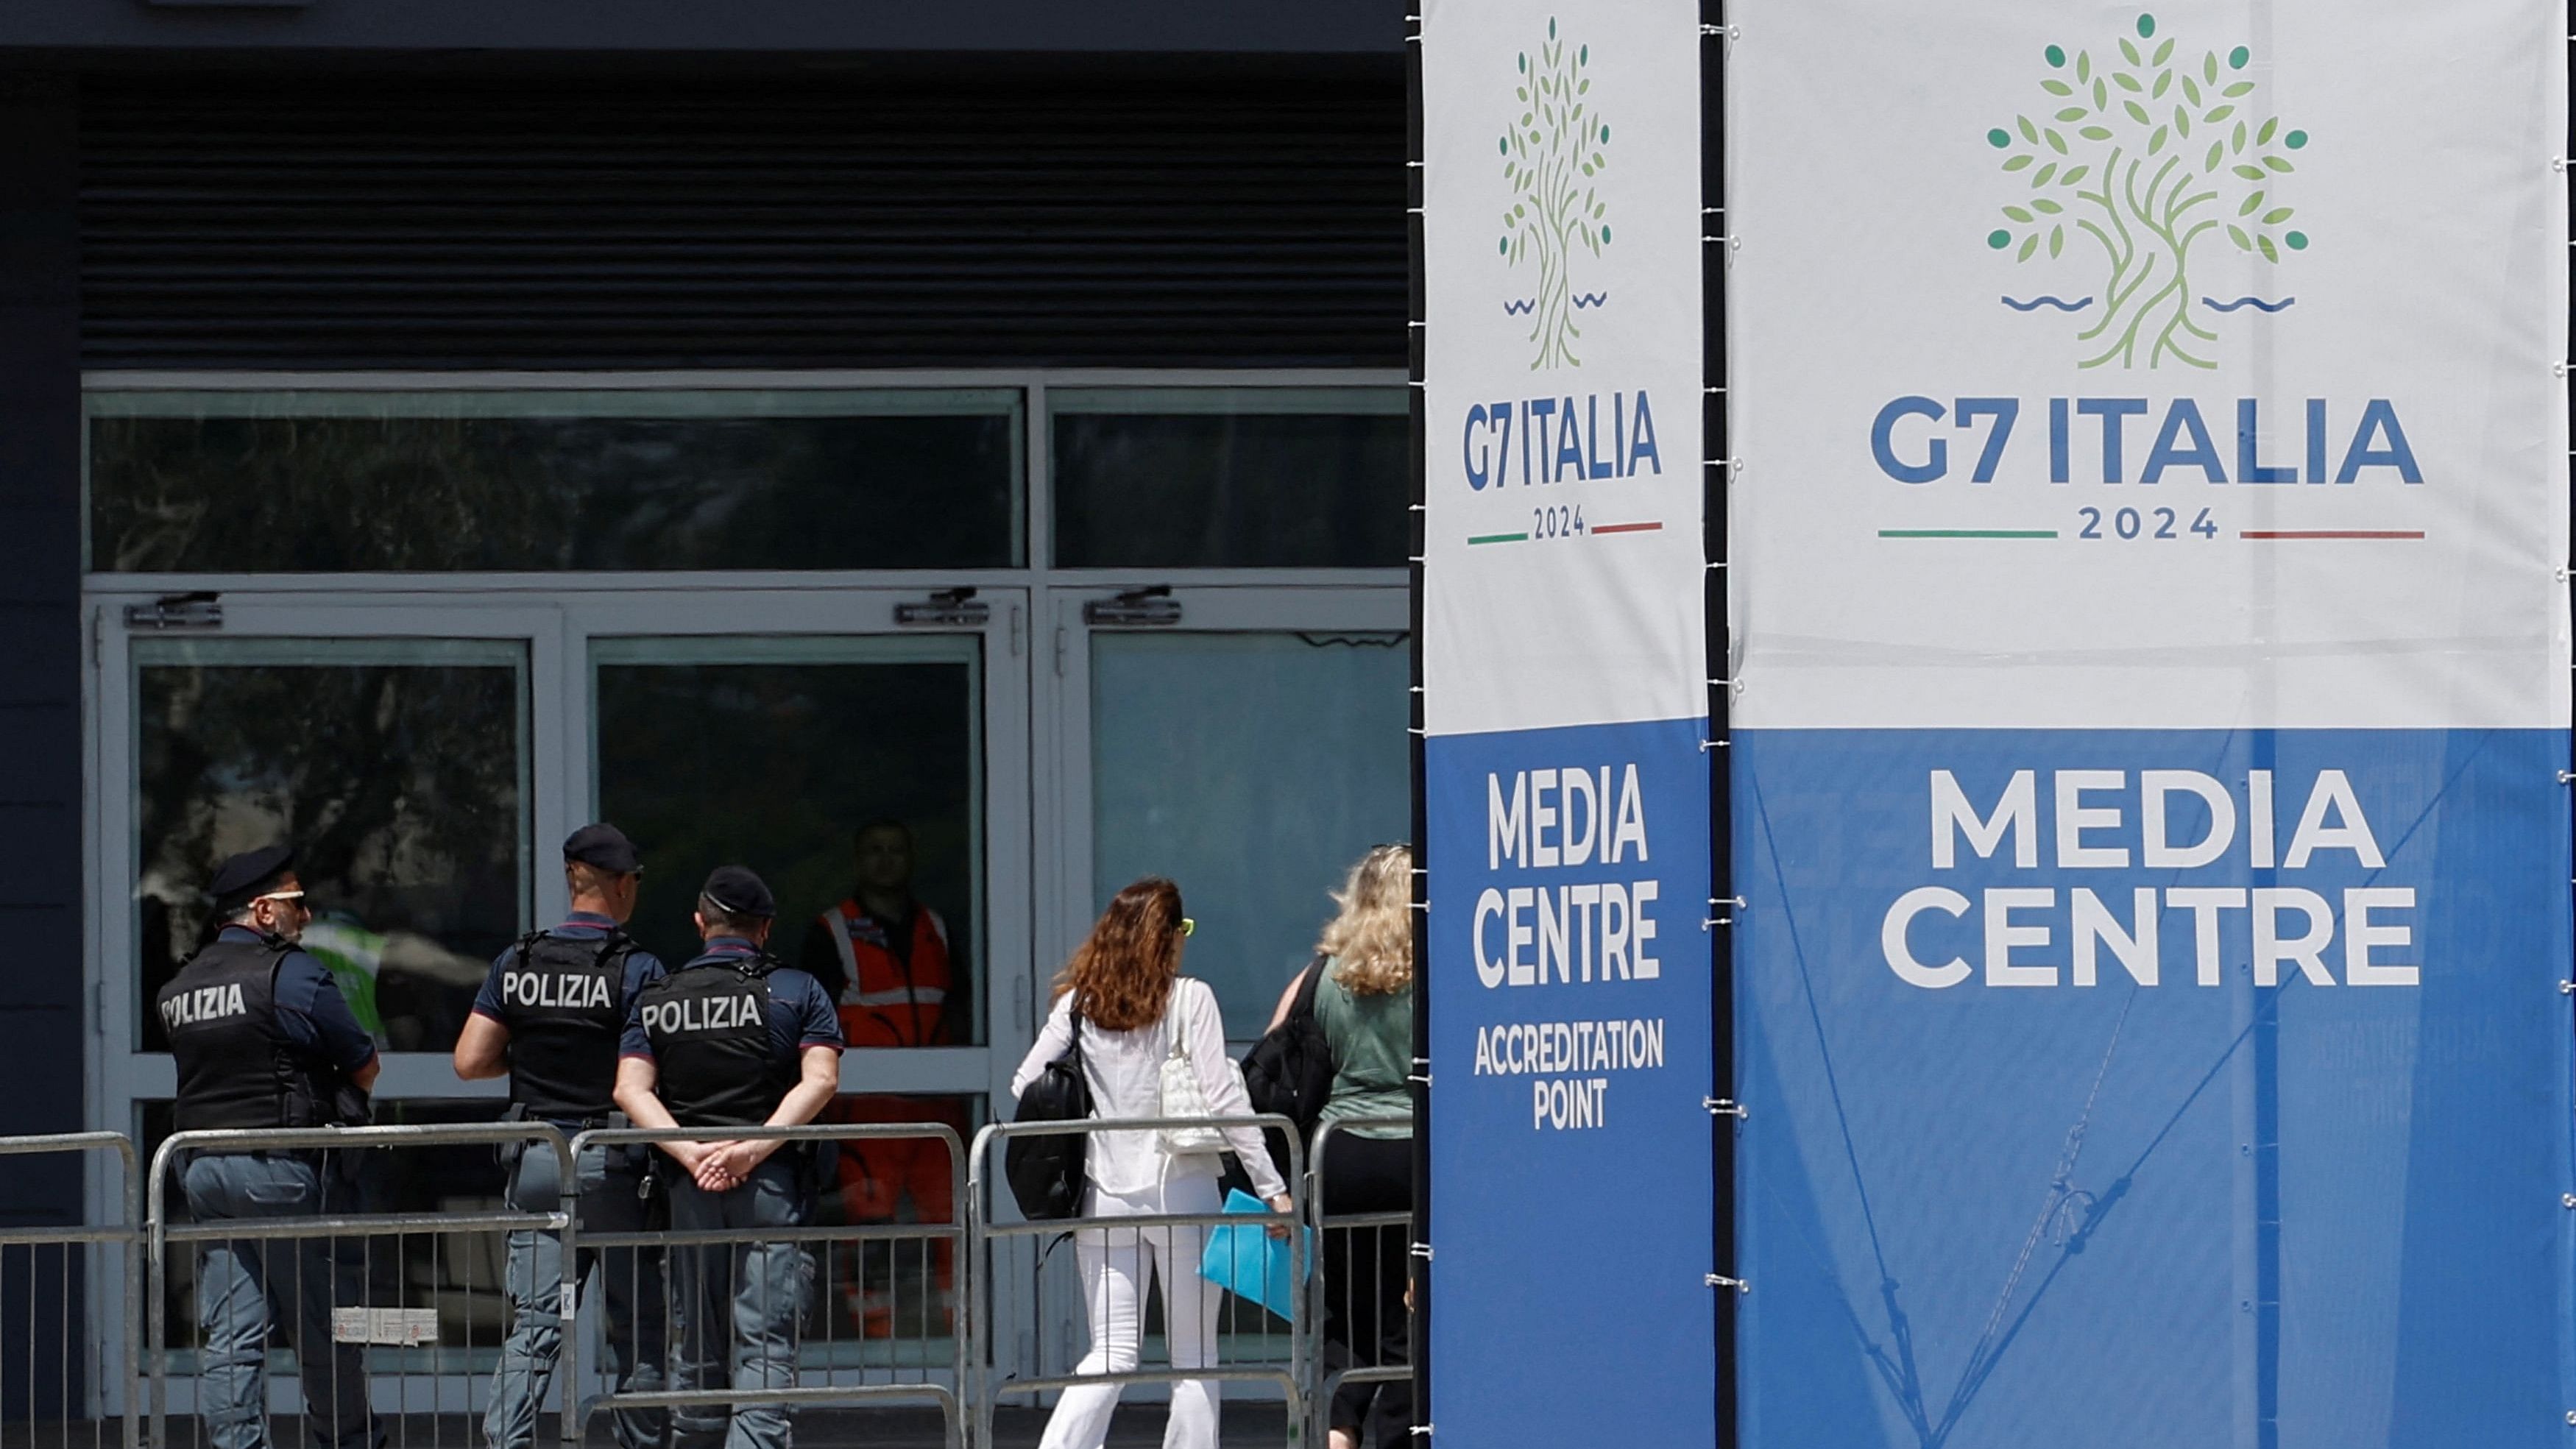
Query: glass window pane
x=1230 y=477
x=777 y=754
x=305 y=482
x=399 y=770
x=1203 y=742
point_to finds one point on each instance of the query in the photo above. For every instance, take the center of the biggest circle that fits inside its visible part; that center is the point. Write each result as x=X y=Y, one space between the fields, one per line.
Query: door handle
x=1151 y=608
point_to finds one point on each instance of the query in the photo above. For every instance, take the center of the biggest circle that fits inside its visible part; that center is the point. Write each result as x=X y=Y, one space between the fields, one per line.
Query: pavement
x=1138 y=1426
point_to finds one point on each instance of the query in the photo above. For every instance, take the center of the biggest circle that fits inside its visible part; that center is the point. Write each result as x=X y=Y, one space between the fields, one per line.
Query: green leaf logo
x=1554 y=152
x=2167 y=155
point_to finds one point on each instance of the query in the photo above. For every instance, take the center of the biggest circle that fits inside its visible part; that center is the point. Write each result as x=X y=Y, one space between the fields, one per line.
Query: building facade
x=425 y=429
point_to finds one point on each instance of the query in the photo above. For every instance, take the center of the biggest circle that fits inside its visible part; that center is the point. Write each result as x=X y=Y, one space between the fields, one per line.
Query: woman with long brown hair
x=1124 y=993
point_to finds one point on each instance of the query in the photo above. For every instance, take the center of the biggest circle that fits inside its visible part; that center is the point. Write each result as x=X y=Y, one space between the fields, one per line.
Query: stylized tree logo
x=1550 y=157
x=2138 y=133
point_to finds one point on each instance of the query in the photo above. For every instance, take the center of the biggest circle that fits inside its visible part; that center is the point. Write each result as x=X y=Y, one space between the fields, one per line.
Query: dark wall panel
x=41 y=1040
x=1157 y=214
x=40 y=854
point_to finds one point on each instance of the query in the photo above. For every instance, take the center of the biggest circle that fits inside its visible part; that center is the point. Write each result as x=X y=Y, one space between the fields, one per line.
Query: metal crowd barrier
x=462 y=1293
x=404 y=1315
x=1341 y=1260
x=27 y=1350
x=854 y=1371
x=984 y=1232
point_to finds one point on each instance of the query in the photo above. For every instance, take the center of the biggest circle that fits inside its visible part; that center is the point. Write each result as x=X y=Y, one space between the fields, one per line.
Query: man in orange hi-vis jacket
x=883 y=955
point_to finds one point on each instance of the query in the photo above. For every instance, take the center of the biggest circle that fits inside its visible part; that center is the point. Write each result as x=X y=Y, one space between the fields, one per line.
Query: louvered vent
x=1230 y=219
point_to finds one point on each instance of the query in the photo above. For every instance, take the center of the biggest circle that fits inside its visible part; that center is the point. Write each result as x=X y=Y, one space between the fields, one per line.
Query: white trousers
x=1114 y=1262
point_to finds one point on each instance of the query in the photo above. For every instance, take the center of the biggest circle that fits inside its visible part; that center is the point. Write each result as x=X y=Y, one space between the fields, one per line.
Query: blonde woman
x=1364 y=1003
x=1124 y=993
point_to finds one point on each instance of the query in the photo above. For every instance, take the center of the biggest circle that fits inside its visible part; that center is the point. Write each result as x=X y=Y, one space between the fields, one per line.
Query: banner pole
x=2567 y=574
x=1714 y=250
x=1416 y=1264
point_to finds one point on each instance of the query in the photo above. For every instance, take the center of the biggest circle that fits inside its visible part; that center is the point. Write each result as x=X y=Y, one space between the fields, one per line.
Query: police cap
x=739 y=893
x=604 y=846
x=247 y=876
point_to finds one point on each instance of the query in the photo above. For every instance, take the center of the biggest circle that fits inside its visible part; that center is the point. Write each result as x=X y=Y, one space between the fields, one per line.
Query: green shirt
x=1372 y=1041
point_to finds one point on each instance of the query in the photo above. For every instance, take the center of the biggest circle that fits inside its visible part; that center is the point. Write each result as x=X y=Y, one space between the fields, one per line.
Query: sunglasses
x=294 y=898
x=1188 y=926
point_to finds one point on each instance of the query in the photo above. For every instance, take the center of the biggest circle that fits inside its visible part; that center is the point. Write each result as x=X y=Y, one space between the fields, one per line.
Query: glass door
x=866 y=750
x=1249 y=743
x=867 y=755
x=427 y=756
x=410 y=749
x=775 y=728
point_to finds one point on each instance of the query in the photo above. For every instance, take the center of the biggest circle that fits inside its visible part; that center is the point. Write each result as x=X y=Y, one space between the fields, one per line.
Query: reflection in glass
x=455 y=1275
x=775 y=753
x=1230 y=477
x=885 y=1301
x=303 y=482
x=397 y=768
x=892 y=1288
x=1252 y=769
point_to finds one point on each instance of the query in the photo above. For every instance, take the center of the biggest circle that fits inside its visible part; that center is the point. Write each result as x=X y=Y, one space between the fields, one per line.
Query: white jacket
x=1125 y=1071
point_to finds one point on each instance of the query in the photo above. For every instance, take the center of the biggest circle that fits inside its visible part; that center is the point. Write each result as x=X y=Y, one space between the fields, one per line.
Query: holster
x=350 y=1104
x=645 y=1160
x=508 y=1153
x=319 y=1097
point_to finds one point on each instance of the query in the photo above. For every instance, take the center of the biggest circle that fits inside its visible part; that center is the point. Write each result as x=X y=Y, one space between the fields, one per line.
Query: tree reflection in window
x=403 y=786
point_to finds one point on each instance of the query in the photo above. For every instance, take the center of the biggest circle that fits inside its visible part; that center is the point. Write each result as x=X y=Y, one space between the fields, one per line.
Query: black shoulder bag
x=1046 y=1169
x=1290 y=1070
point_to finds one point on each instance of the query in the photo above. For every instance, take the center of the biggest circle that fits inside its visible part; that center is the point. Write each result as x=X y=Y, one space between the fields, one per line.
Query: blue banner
x=1570 y=1015
x=2186 y=1087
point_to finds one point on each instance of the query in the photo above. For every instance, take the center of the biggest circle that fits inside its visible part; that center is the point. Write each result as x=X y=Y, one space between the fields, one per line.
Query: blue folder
x=1245 y=1260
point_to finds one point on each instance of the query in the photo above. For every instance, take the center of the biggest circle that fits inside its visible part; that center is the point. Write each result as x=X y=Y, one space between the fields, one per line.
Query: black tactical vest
x=236 y=1068
x=709 y=1026
x=562 y=1000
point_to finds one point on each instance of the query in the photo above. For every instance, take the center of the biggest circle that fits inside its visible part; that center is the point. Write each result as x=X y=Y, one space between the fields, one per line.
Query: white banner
x=2191 y=368
x=1561 y=257
x=2147 y=582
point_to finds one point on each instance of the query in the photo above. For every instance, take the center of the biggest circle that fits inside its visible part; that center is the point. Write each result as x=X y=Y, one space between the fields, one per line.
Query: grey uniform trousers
x=748 y=1297
x=629 y=1284
x=245 y=1286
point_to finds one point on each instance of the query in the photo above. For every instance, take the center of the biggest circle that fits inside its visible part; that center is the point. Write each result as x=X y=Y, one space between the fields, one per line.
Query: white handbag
x=1182 y=1096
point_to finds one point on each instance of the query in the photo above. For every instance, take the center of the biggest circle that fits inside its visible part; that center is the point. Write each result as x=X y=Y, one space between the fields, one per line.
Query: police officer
x=734 y=1038
x=263 y=1039
x=550 y=1015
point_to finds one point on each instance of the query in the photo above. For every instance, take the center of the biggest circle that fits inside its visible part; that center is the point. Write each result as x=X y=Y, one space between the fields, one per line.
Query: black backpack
x=1046 y=1169
x=1290 y=1070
